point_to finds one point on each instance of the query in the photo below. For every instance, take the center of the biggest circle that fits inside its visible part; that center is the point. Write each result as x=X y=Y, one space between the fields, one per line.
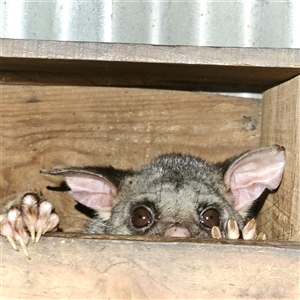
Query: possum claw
x=249 y=231
x=12 y=243
x=216 y=233
x=31 y=213
x=7 y=231
x=12 y=228
x=261 y=236
x=24 y=248
x=46 y=221
x=233 y=231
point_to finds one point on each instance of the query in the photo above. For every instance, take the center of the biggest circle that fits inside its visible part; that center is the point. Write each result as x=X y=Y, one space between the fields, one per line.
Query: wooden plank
x=175 y=67
x=78 y=268
x=281 y=125
x=143 y=53
x=47 y=126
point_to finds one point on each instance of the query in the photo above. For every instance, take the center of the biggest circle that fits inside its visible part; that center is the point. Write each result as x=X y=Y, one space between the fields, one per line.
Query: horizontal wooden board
x=47 y=126
x=281 y=125
x=80 y=268
x=252 y=57
x=172 y=67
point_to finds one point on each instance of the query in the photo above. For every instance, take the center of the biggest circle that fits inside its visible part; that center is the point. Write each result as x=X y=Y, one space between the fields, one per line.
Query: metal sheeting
x=206 y=23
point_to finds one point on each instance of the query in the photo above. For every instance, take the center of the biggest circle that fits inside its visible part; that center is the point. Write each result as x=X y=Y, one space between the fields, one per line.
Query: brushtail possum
x=174 y=195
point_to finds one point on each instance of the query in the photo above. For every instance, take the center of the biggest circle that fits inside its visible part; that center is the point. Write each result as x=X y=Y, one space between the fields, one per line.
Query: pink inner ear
x=252 y=173
x=92 y=191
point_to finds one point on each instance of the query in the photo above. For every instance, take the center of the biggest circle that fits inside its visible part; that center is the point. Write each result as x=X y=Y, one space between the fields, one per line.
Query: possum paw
x=30 y=214
x=249 y=232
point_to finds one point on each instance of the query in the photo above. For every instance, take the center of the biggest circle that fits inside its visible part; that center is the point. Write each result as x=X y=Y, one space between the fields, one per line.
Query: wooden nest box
x=78 y=103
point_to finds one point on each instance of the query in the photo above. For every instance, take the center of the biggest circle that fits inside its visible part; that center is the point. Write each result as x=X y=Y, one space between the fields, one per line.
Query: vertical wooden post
x=281 y=125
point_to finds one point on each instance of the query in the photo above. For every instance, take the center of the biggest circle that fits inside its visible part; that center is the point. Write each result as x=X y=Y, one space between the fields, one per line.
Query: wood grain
x=143 y=53
x=47 y=126
x=172 y=67
x=281 y=125
x=78 y=268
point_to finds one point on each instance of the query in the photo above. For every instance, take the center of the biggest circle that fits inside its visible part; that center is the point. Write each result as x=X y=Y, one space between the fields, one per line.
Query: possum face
x=175 y=195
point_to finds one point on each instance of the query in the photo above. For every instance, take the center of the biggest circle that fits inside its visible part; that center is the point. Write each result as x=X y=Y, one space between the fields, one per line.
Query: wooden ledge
x=291 y=245
x=136 y=65
x=94 y=267
x=145 y=53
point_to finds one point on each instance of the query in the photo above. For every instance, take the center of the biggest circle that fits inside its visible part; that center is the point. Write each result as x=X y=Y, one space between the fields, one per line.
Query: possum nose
x=177 y=231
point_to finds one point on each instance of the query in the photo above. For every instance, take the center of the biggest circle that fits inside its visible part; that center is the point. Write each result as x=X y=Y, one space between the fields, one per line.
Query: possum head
x=175 y=195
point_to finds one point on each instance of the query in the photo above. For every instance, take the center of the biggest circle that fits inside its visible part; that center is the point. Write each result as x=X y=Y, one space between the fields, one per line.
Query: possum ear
x=252 y=172
x=92 y=189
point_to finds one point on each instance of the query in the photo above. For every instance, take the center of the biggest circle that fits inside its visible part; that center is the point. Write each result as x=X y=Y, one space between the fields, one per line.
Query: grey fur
x=176 y=188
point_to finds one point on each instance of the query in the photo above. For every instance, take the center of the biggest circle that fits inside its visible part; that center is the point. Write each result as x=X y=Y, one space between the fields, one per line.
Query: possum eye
x=210 y=217
x=141 y=217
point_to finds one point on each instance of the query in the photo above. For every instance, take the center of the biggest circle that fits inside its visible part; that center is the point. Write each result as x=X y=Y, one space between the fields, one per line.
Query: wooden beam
x=172 y=67
x=80 y=268
x=281 y=125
